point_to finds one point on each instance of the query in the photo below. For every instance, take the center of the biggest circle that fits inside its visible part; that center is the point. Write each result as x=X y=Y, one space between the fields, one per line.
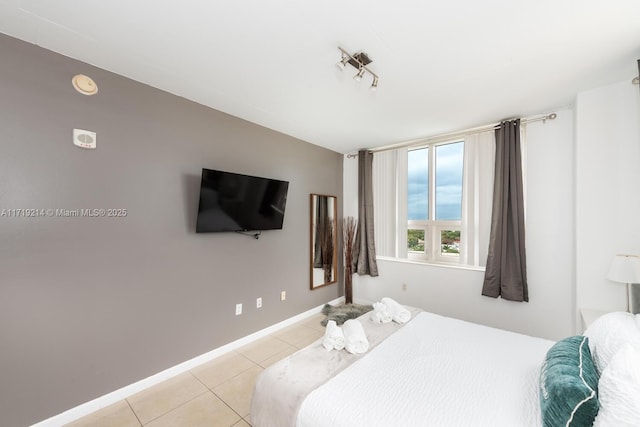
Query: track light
x=359 y=61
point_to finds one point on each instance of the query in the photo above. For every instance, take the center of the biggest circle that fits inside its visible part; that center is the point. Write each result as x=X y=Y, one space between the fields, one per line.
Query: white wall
x=607 y=193
x=456 y=292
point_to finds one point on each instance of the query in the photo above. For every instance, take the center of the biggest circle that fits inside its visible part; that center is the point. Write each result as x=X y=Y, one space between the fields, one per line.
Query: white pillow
x=609 y=333
x=619 y=390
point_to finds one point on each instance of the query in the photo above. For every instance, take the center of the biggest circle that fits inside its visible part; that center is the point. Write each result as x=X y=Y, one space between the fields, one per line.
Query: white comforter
x=281 y=389
x=435 y=371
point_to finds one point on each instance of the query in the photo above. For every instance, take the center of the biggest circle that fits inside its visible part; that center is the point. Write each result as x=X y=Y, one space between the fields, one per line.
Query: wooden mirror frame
x=323 y=264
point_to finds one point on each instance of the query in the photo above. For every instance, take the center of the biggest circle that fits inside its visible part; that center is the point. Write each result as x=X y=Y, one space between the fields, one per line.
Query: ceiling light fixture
x=84 y=84
x=359 y=61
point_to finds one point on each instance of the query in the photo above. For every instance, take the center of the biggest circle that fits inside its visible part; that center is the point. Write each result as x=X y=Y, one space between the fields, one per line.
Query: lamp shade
x=625 y=269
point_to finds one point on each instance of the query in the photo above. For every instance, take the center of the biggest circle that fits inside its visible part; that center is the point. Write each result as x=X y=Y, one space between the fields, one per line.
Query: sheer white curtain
x=390 y=199
x=477 y=197
x=390 y=202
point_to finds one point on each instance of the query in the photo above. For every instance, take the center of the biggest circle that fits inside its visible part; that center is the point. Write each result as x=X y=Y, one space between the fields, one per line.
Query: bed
x=433 y=370
x=439 y=371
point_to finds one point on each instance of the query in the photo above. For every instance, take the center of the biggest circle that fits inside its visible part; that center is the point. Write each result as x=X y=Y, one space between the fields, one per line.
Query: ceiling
x=443 y=66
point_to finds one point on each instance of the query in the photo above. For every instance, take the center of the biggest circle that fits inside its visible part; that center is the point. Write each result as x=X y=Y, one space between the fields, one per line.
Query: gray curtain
x=506 y=271
x=364 y=250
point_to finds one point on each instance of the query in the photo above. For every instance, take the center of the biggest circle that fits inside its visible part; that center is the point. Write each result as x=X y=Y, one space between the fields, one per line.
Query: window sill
x=430 y=264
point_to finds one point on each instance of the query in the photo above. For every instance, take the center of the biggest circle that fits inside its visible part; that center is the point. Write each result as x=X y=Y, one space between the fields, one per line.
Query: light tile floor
x=217 y=393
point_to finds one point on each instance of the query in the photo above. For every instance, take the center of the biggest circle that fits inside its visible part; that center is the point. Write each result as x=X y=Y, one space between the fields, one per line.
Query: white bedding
x=281 y=389
x=435 y=371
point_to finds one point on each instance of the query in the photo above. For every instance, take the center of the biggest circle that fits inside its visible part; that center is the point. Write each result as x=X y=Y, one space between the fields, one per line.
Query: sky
x=449 y=162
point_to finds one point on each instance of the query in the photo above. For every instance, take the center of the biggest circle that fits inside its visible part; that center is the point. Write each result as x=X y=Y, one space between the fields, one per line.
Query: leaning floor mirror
x=324 y=243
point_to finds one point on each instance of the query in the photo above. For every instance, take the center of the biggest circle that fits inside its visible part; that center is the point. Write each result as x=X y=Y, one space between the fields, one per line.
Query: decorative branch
x=349 y=227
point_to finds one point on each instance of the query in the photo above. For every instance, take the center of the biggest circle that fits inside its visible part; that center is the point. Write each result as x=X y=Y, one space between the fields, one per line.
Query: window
x=434 y=202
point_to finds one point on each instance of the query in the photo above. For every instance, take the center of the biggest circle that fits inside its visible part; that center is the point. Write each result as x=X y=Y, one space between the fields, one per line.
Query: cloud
x=418 y=205
x=448 y=183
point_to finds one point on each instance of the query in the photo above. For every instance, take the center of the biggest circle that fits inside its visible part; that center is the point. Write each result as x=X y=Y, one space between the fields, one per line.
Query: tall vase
x=348 y=289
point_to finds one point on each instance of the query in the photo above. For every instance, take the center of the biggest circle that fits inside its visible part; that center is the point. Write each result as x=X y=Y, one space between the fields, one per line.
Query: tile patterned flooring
x=217 y=393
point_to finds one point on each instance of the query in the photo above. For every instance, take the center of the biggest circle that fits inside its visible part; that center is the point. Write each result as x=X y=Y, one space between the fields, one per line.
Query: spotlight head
x=374 y=84
x=342 y=63
x=359 y=76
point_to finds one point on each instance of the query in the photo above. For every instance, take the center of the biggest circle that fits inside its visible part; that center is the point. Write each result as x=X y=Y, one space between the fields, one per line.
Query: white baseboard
x=362 y=301
x=87 y=408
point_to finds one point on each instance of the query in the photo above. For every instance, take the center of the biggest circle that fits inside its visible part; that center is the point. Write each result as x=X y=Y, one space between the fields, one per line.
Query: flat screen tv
x=235 y=202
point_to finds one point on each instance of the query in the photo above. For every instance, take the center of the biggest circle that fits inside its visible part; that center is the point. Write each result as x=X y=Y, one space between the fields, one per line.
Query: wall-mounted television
x=236 y=202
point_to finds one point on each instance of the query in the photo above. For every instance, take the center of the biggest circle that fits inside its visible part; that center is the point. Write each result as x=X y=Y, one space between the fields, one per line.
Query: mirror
x=324 y=240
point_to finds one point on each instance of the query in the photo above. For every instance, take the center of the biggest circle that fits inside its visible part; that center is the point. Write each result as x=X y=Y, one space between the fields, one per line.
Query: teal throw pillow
x=569 y=385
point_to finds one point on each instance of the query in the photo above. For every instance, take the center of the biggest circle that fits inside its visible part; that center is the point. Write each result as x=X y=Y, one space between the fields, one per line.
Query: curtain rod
x=445 y=136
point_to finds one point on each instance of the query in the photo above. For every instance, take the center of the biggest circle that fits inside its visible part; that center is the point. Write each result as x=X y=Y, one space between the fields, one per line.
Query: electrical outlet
x=238 y=309
x=259 y=303
x=283 y=295
x=404 y=286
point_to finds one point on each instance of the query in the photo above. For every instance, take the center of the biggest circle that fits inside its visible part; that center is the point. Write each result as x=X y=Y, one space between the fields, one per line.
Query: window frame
x=433 y=228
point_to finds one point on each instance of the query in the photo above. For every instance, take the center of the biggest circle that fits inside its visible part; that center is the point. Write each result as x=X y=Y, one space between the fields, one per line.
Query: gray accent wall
x=89 y=305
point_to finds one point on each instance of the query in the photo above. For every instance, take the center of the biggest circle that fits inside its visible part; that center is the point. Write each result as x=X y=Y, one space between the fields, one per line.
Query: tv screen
x=236 y=202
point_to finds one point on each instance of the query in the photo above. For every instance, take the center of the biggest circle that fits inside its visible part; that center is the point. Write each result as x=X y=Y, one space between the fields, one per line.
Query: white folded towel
x=333 y=336
x=399 y=314
x=380 y=313
x=356 y=341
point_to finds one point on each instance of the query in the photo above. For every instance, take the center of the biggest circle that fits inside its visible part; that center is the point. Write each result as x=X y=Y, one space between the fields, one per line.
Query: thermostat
x=84 y=138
